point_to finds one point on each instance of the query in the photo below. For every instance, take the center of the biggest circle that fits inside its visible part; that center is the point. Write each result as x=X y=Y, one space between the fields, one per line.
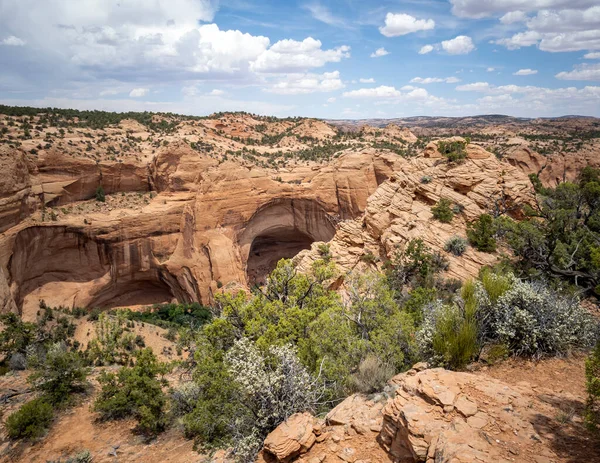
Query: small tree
x=442 y=211
x=481 y=233
x=59 y=374
x=100 y=196
x=454 y=151
x=31 y=420
x=15 y=335
x=135 y=392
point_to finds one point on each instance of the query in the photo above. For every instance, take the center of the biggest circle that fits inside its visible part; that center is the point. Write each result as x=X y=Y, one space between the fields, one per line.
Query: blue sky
x=330 y=59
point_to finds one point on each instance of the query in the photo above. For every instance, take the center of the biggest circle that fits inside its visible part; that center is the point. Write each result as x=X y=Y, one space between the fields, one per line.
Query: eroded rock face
x=207 y=226
x=400 y=209
x=15 y=187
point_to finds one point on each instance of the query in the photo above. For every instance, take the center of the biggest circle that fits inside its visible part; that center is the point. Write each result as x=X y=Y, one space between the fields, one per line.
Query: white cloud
x=434 y=80
x=595 y=55
x=402 y=24
x=13 y=41
x=475 y=87
x=331 y=100
x=291 y=56
x=484 y=8
x=297 y=84
x=216 y=92
x=383 y=91
x=513 y=17
x=490 y=69
x=525 y=72
x=386 y=93
x=425 y=49
x=522 y=39
x=138 y=92
x=379 y=53
x=567 y=27
x=581 y=72
x=460 y=45
x=370 y=80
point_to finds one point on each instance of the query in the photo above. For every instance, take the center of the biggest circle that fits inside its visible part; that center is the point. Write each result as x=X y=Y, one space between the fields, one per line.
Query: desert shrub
x=453 y=151
x=135 y=392
x=481 y=233
x=185 y=398
x=456 y=245
x=426 y=179
x=82 y=457
x=273 y=386
x=100 y=196
x=449 y=335
x=17 y=361
x=415 y=264
x=112 y=343
x=15 y=335
x=442 y=211
x=324 y=251
x=59 y=374
x=370 y=323
x=192 y=315
x=369 y=258
x=31 y=420
x=371 y=376
x=532 y=319
x=592 y=376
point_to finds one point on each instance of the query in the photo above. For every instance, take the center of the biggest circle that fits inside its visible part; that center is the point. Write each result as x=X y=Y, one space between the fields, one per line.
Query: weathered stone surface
x=291 y=438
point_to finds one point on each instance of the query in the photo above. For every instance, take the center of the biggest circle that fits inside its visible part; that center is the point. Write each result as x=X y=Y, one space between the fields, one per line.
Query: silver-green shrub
x=532 y=319
x=456 y=245
x=273 y=386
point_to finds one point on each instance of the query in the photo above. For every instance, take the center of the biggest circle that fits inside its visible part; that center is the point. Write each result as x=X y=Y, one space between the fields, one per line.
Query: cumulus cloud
x=402 y=24
x=425 y=49
x=595 y=55
x=566 y=27
x=291 y=55
x=490 y=69
x=460 y=45
x=434 y=80
x=525 y=72
x=379 y=53
x=138 y=92
x=13 y=41
x=216 y=92
x=582 y=72
x=297 y=84
x=370 y=80
x=385 y=93
x=155 y=42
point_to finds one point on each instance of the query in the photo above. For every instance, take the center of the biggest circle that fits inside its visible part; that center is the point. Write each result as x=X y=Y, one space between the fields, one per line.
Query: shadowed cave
x=281 y=229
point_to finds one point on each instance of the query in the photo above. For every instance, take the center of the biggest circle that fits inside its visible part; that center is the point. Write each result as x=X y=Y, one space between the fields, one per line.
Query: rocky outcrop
x=62 y=179
x=209 y=225
x=15 y=188
x=400 y=209
x=431 y=415
x=291 y=438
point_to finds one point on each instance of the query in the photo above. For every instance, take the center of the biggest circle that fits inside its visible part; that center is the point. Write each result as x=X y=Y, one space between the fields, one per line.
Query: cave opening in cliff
x=269 y=248
x=281 y=229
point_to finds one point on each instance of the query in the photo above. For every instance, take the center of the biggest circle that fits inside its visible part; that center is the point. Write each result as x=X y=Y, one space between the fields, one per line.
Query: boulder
x=291 y=438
